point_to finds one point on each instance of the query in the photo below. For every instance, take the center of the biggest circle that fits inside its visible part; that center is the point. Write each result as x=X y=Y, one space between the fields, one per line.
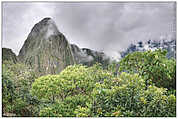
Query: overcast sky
x=107 y=27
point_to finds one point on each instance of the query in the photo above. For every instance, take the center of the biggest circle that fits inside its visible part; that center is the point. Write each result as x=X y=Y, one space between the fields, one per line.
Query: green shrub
x=127 y=96
x=77 y=80
x=47 y=87
x=156 y=103
x=16 y=80
x=72 y=87
x=65 y=108
x=152 y=66
x=93 y=92
x=8 y=90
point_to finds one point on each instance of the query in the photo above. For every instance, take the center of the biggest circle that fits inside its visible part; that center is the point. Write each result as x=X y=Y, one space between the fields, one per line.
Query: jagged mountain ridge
x=89 y=57
x=47 y=50
x=169 y=45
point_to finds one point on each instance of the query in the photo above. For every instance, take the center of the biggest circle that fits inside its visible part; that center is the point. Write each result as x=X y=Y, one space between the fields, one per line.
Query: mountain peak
x=46 y=49
x=45 y=26
x=47 y=21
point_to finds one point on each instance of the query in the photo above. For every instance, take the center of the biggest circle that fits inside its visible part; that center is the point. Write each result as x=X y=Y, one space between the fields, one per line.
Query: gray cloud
x=107 y=27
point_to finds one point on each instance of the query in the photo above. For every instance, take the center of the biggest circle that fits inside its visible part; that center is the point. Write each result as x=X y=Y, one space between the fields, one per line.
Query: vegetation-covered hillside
x=144 y=85
x=7 y=54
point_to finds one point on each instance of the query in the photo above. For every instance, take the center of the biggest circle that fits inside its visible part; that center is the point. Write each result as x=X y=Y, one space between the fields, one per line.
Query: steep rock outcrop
x=46 y=49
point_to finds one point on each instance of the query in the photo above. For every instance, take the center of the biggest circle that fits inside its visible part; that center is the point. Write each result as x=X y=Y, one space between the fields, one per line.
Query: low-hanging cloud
x=102 y=26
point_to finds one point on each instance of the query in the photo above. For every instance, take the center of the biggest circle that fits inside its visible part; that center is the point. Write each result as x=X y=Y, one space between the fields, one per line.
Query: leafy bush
x=157 y=104
x=65 y=108
x=153 y=66
x=47 y=87
x=77 y=80
x=72 y=88
x=127 y=96
x=73 y=80
x=16 y=84
x=88 y=92
x=123 y=93
x=8 y=92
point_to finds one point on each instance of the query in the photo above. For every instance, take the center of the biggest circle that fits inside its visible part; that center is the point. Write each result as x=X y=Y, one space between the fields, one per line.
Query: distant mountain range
x=48 y=51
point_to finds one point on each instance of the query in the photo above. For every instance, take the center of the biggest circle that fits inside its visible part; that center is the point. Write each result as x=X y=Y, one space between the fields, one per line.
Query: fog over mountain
x=101 y=26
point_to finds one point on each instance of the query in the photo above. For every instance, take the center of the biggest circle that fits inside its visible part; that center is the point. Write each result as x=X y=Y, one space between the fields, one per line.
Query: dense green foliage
x=16 y=82
x=127 y=96
x=152 y=66
x=81 y=91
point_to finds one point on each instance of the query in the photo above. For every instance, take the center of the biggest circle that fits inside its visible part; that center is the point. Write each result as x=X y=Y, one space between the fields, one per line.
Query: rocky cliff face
x=46 y=49
x=8 y=55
